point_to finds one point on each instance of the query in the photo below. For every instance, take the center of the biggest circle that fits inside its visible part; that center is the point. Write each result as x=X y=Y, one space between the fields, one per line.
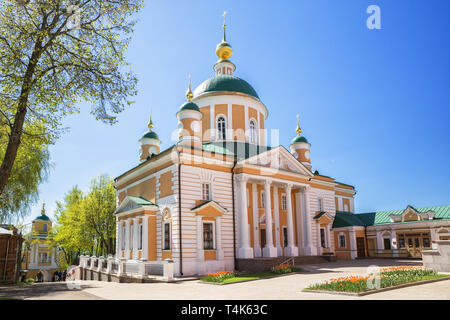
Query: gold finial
x=43 y=208
x=150 y=123
x=189 y=94
x=298 y=130
x=223 y=49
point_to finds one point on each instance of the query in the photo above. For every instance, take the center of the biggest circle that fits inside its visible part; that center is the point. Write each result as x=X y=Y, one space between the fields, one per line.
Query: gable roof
x=346 y=219
x=131 y=202
x=211 y=203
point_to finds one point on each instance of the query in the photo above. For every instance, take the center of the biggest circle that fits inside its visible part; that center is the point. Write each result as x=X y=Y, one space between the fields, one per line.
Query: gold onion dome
x=223 y=49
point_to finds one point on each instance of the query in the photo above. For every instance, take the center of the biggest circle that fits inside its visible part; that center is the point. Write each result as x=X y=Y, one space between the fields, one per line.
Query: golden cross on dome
x=224 y=24
x=43 y=208
x=298 y=130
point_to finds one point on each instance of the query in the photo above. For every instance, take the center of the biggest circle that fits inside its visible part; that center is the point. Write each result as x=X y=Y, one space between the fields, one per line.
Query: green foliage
x=30 y=169
x=53 y=55
x=85 y=223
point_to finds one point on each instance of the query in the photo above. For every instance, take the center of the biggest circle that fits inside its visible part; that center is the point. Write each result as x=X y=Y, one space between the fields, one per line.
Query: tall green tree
x=55 y=53
x=85 y=222
x=30 y=169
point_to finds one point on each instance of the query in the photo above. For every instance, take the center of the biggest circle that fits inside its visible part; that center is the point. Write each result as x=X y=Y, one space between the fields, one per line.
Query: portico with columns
x=276 y=225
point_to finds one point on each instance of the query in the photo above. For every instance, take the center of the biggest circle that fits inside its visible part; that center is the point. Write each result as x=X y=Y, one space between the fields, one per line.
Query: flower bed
x=387 y=277
x=230 y=276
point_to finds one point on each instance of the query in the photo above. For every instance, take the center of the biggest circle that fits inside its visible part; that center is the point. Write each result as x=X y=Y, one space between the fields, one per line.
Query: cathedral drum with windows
x=222 y=194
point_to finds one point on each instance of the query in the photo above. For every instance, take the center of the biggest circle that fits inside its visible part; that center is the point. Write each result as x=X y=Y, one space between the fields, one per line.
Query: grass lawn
x=231 y=277
x=387 y=277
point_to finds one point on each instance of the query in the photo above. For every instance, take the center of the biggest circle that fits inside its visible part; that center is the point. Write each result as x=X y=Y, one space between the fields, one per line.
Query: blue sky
x=373 y=103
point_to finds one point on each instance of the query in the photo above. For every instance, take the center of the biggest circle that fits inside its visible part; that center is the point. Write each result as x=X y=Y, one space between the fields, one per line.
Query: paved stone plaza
x=281 y=288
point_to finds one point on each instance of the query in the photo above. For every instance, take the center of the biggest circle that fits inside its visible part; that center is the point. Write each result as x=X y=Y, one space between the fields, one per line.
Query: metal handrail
x=291 y=259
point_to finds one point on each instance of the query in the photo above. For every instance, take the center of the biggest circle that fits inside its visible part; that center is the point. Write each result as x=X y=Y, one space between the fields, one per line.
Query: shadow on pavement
x=47 y=290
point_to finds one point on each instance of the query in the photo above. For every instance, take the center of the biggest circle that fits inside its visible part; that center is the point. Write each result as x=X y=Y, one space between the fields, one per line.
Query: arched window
x=253 y=134
x=221 y=128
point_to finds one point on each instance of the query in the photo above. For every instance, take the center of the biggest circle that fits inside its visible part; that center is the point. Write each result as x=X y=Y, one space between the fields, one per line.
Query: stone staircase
x=258 y=265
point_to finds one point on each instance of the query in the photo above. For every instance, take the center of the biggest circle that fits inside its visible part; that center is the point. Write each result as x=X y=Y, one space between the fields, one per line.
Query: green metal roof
x=43 y=217
x=150 y=135
x=319 y=215
x=346 y=219
x=189 y=106
x=225 y=83
x=141 y=201
x=298 y=139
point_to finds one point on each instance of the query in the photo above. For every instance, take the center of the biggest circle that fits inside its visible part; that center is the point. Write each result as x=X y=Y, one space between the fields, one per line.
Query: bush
x=29 y=281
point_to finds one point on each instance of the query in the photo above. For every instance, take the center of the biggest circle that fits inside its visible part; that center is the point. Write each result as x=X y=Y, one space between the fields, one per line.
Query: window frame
x=323 y=238
x=253 y=138
x=285 y=237
x=221 y=132
x=213 y=235
x=165 y=232
x=283 y=202
x=340 y=237
x=209 y=197
x=387 y=241
x=263 y=199
x=140 y=236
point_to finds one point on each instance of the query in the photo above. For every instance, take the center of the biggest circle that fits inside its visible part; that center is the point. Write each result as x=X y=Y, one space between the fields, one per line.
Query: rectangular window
x=140 y=237
x=322 y=238
x=45 y=228
x=426 y=242
x=320 y=205
x=342 y=243
x=283 y=202
x=387 y=244
x=206 y=190
x=401 y=242
x=263 y=199
x=208 y=236
x=167 y=236
x=285 y=237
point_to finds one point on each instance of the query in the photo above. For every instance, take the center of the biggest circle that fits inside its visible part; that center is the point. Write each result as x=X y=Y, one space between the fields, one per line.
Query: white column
x=127 y=239
x=219 y=248
x=310 y=250
x=244 y=251
x=352 y=205
x=246 y=124
x=319 y=245
x=394 y=243
x=135 y=238
x=329 y=243
x=291 y=250
x=300 y=233
x=213 y=122
x=145 y=238
x=256 y=246
x=118 y=239
x=352 y=243
x=229 y=122
x=269 y=250
x=380 y=245
x=276 y=213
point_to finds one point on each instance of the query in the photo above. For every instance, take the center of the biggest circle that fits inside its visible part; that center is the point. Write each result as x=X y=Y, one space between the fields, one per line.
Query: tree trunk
x=19 y=118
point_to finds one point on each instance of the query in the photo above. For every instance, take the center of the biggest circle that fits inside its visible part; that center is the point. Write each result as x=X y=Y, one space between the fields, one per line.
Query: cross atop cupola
x=224 y=52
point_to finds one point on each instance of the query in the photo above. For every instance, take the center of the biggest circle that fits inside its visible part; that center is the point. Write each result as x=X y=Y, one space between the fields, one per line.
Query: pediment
x=278 y=159
x=209 y=209
x=411 y=214
x=132 y=203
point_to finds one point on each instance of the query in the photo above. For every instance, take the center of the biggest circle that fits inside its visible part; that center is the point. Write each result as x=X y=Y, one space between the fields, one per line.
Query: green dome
x=189 y=106
x=150 y=135
x=298 y=139
x=225 y=83
x=42 y=217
